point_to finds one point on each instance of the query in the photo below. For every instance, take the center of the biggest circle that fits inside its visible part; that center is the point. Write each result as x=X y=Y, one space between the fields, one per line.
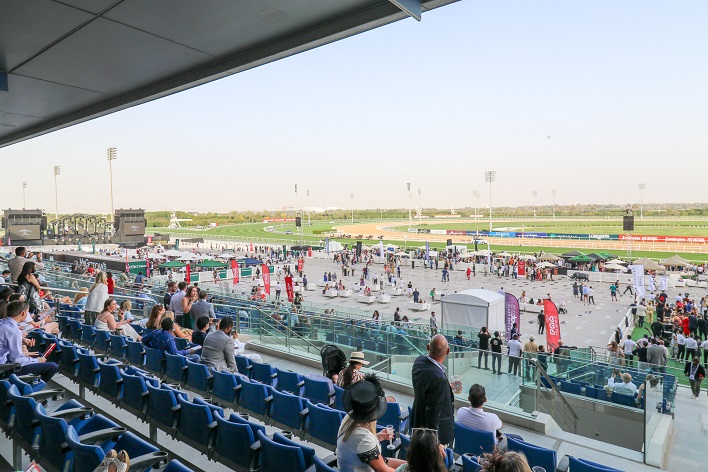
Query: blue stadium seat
x=286 y=410
x=275 y=456
x=263 y=373
x=117 y=348
x=596 y=393
x=74 y=329
x=176 y=466
x=394 y=416
x=199 y=378
x=288 y=381
x=243 y=364
x=338 y=395
x=88 y=335
x=468 y=440
x=163 y=408
x=52 y=446
x=135 y=392
x=89 y=372
x=134 y=352
x=110 y=381
x=89 y=456
x=370 y=345
x=621 y=399
x=571 y=387
x=233 y=444
x=322 y=424
x=155 y=361
x=320 y=466
x=197 y=426
x=103 y=341
x=69 y=360
x=582 y=465
x=469 y=464
x=535 y=455
x=318 y=391
x=176 y=368
x=226 y=388
x=181 y=343
x=31 y=385
x=255 y=397
x=308 y=453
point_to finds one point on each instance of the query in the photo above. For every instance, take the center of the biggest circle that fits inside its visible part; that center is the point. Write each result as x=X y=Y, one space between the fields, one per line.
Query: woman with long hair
x=504 y=462
x=81 y=298
x=28 y=286
x=106 y=321
x=98 y=294
x=178 y=331
x=615 y=355
x=190 y=297
x=352 y=373
x=153 y=321
x=425 y=454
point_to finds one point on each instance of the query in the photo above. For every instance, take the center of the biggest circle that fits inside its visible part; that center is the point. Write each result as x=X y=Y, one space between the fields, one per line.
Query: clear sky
x=621 y=88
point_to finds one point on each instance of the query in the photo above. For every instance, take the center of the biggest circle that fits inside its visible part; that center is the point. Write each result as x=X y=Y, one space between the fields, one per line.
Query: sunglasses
x=423 y=431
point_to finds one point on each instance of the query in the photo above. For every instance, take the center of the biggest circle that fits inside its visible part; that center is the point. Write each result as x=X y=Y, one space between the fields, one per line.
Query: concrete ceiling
x=66 y=62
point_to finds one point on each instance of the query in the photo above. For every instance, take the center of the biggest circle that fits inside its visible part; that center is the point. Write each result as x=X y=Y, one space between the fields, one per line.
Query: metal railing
x=560 y=410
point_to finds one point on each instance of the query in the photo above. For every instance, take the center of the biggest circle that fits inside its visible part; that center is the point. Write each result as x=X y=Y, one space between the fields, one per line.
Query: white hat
x=358 y=357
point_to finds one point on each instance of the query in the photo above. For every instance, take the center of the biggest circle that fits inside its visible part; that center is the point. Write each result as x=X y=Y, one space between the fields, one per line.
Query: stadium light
x=535 y=193
x=24 y=195
x=490 y=176
x=642 y=187
x=57 y=171
x=112 y=156
x=553 y=193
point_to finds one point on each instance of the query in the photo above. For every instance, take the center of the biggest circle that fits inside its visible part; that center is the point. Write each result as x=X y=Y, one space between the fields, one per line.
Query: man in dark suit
x=433 y=399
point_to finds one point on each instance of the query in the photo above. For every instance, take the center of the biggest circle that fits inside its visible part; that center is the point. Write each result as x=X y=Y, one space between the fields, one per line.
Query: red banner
x=309 y=252
x=149 y=239
x=300 y=264
x=235 y=270
x=147 y=266
x=266 y=278
x=251 y=247
x=662 y=239
x=522 y=268
x=188 y=274
x=289 y=288
x=553 y=328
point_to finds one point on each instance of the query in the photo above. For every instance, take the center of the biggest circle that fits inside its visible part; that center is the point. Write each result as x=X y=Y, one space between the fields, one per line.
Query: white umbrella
x=616 y=267
x=503 y=254
x=173 y=253
x=527 y=257
x=187 y=257
x=615 y=261
x=545 y=265
x=548 y=257
x=153 y=255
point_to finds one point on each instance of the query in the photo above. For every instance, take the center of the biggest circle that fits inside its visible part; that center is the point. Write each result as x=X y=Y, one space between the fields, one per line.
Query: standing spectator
x=628 y=345
x=514 y=346
x=656 y=357
x=484 y=337
x=18 y=262
x=176 y=302
x=530 y=348
x=613 y=292
x=28 y=286
x=433 y=399
x=433 y=324
x=11 y=342
x=416 y=294
x=641 y=312
x=591 y=295
x=615 y=356
x=541 y=322
x=98 y=294
x=191 y=296
x=641 y=353
x=691 y=347
x=171 y=289
x=680 y=344
x=201 y=308
x=496 y=344
x=628 y=287
x=695 y=373
x=278 y=289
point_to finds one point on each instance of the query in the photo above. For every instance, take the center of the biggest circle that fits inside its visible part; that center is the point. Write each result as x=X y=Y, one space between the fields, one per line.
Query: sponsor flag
x=327 y=245
x=512 y=314
x=251 y=247
x=289 y=288
x=235 y=270
x=553 y=329
x=427 y=250
x=147 y=265
x=266 y=278
x=521 y=265
x=300 y=264
x=309 y=252
x=638 y=278
x=381 y=246
x=127 y=267
x=188 y=274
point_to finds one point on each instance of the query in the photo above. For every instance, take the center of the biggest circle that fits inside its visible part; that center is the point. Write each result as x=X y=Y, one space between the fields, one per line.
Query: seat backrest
x=194 y=421
x=468 y=440
x=320 y=466
x=154 y=360
x=535 y=455
x=255 y=427
x=223 y=386
x=134 y=352
x=161 y=402
x=134 y=391
x=623 y=399
x=88 y=334
x=118 y=346
x=111 y=382
x=233 y=441
x=85 y=456
x=253 y=395
x=338 y=398
x=308 y=453
x=175 y=368
x=263 y=373
x=198 y=376
x=470 y=465
x=176 y=466
x=570 y=387
x=318 y=391
x=288 y=381
x=103 y=340
x=243 y=365
x=275 y=456
x=286 y=409
x=391 y=416
x=181 y=343
x=582 y=465
x=89 y=373
x=323 y=423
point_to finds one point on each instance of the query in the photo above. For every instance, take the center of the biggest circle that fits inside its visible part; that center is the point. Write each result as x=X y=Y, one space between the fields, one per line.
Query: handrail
x=555 y=392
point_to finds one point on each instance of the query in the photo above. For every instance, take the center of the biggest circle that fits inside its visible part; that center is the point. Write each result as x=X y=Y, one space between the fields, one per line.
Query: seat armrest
x=237 y=388
x=564 y=464
x=404 y=415
x=268 y=399
x=330 y=460
x=176 y=408
x=151 y=459
x=255 y=447
x=28 y=378
x=43 y=395
x=304 y=412
x=301 y=383
x=212 y=426
x=72 y=413
x=101 y=435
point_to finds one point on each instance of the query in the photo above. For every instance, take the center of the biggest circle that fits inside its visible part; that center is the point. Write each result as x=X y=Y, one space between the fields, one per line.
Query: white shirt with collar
x=691 y=343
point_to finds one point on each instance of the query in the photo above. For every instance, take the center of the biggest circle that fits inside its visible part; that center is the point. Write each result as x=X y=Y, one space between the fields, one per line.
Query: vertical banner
x=309 y=252
x=149 y=239
x=553 y=328
x=512 y=314
x=127 y=267
x=381 y=248
x=289 y=288
x=638 y=278
x=327 y=245
x=234 y=270
x=250 y=247
x=300 y=264
x=266 y=278
x=522 y=268
x=93 y=247
x=147 y=265
x=427 y=250
x=176 y=244
x=358 y=249
x=188 y=274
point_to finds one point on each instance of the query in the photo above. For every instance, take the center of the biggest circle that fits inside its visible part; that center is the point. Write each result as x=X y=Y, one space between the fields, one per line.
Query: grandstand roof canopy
x=66 y=62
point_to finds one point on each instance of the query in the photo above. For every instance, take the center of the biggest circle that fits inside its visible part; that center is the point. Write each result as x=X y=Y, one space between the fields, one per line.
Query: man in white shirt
x=21 y=256
x=625 y=386
x=628 y=345
x=681 y=343
x=691 y=347
x=475 y=417
x=704 y=346
x=176 y=302
x=514 y=347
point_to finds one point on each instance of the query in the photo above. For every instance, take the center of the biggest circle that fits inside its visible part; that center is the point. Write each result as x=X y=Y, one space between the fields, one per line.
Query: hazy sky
x=621 y=88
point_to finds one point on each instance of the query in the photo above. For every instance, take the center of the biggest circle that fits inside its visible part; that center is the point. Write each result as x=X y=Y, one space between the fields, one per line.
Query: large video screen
x=24 y=232
x=134 y=229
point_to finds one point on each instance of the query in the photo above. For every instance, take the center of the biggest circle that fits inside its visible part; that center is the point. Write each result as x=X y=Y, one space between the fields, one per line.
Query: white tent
x=473 y=308
x=335 y=246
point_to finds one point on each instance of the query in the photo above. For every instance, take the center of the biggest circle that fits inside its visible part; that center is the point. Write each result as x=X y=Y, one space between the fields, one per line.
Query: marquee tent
x=473 y=308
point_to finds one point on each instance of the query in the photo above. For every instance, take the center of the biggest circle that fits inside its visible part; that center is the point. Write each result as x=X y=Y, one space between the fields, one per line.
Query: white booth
x=474 y=308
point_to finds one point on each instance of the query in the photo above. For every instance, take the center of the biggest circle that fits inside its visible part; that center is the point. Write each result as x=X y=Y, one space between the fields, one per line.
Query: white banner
x=664 y=283
x=638 y=278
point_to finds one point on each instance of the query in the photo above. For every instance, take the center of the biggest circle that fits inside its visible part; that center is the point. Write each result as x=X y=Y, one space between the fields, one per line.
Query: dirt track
x=376 y=230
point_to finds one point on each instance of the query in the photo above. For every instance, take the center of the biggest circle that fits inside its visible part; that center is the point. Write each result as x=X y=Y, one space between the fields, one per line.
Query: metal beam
x=414 y=8
x=3 y=81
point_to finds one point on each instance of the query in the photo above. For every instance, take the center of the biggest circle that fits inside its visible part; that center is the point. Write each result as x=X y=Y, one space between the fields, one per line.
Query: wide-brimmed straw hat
x=358 y=357
x=365 y=401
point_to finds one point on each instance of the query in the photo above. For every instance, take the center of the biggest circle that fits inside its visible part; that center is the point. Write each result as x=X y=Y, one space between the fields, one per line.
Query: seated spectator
x=475 y=418
x=500 y=461
x=218 y=352
x=11 y=343
x=624 y=386
x=178 y=331
x=352 y=373
x=240 y=349
x=201 y=332
x=105 y=321
x=358 y=444
x=125 y=307
x=81 y=298
x=164 y=340
x=425 y=453
x=153 y=321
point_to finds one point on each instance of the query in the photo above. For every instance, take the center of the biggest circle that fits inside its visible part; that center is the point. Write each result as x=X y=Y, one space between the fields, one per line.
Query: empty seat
x=280 y=454
x=263 y=373
x=89 y=372
x=226 y=388
x=117 y=348
x=595 y=392
x=535 y=455
x=233 y=442
x=155 y=361
x=134 y=352
x=582 y=465
x=199 y=377
x=243 y=364
x=288 y=381
x=322 y=424
x=163 y=408
x=255 y=397
x=110 y=381
x=468 y=440
x=571 y=387
x=74 y=329
x=338 y=395
x=176 y=368
x=286 y=410
x=103 y=341
x=88 y=335
x=135 y=392
x=318 y=391
x=197 y=426
x=622 y=399
x=394 y=416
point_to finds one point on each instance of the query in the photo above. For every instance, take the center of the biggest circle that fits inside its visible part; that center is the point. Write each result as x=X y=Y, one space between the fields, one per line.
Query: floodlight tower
x=534 y=193
x=490 y=176
x=553 y=193
x=475 y=194
x=24 y=195
x=410 y=200
x=642 y=187
x=112 y=153
x=57 y=171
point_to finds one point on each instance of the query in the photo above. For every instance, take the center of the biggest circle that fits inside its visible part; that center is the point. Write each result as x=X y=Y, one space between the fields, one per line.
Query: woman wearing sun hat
x=358 y=445
x=352 y=373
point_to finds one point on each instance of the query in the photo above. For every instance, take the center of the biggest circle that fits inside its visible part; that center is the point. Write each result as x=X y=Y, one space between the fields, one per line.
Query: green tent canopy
x=173 y=265
x=211 y=264
x=582 y=258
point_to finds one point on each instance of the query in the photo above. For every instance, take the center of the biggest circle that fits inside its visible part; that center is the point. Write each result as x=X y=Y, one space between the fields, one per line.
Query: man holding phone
x=21 y=256
x=11 y=344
